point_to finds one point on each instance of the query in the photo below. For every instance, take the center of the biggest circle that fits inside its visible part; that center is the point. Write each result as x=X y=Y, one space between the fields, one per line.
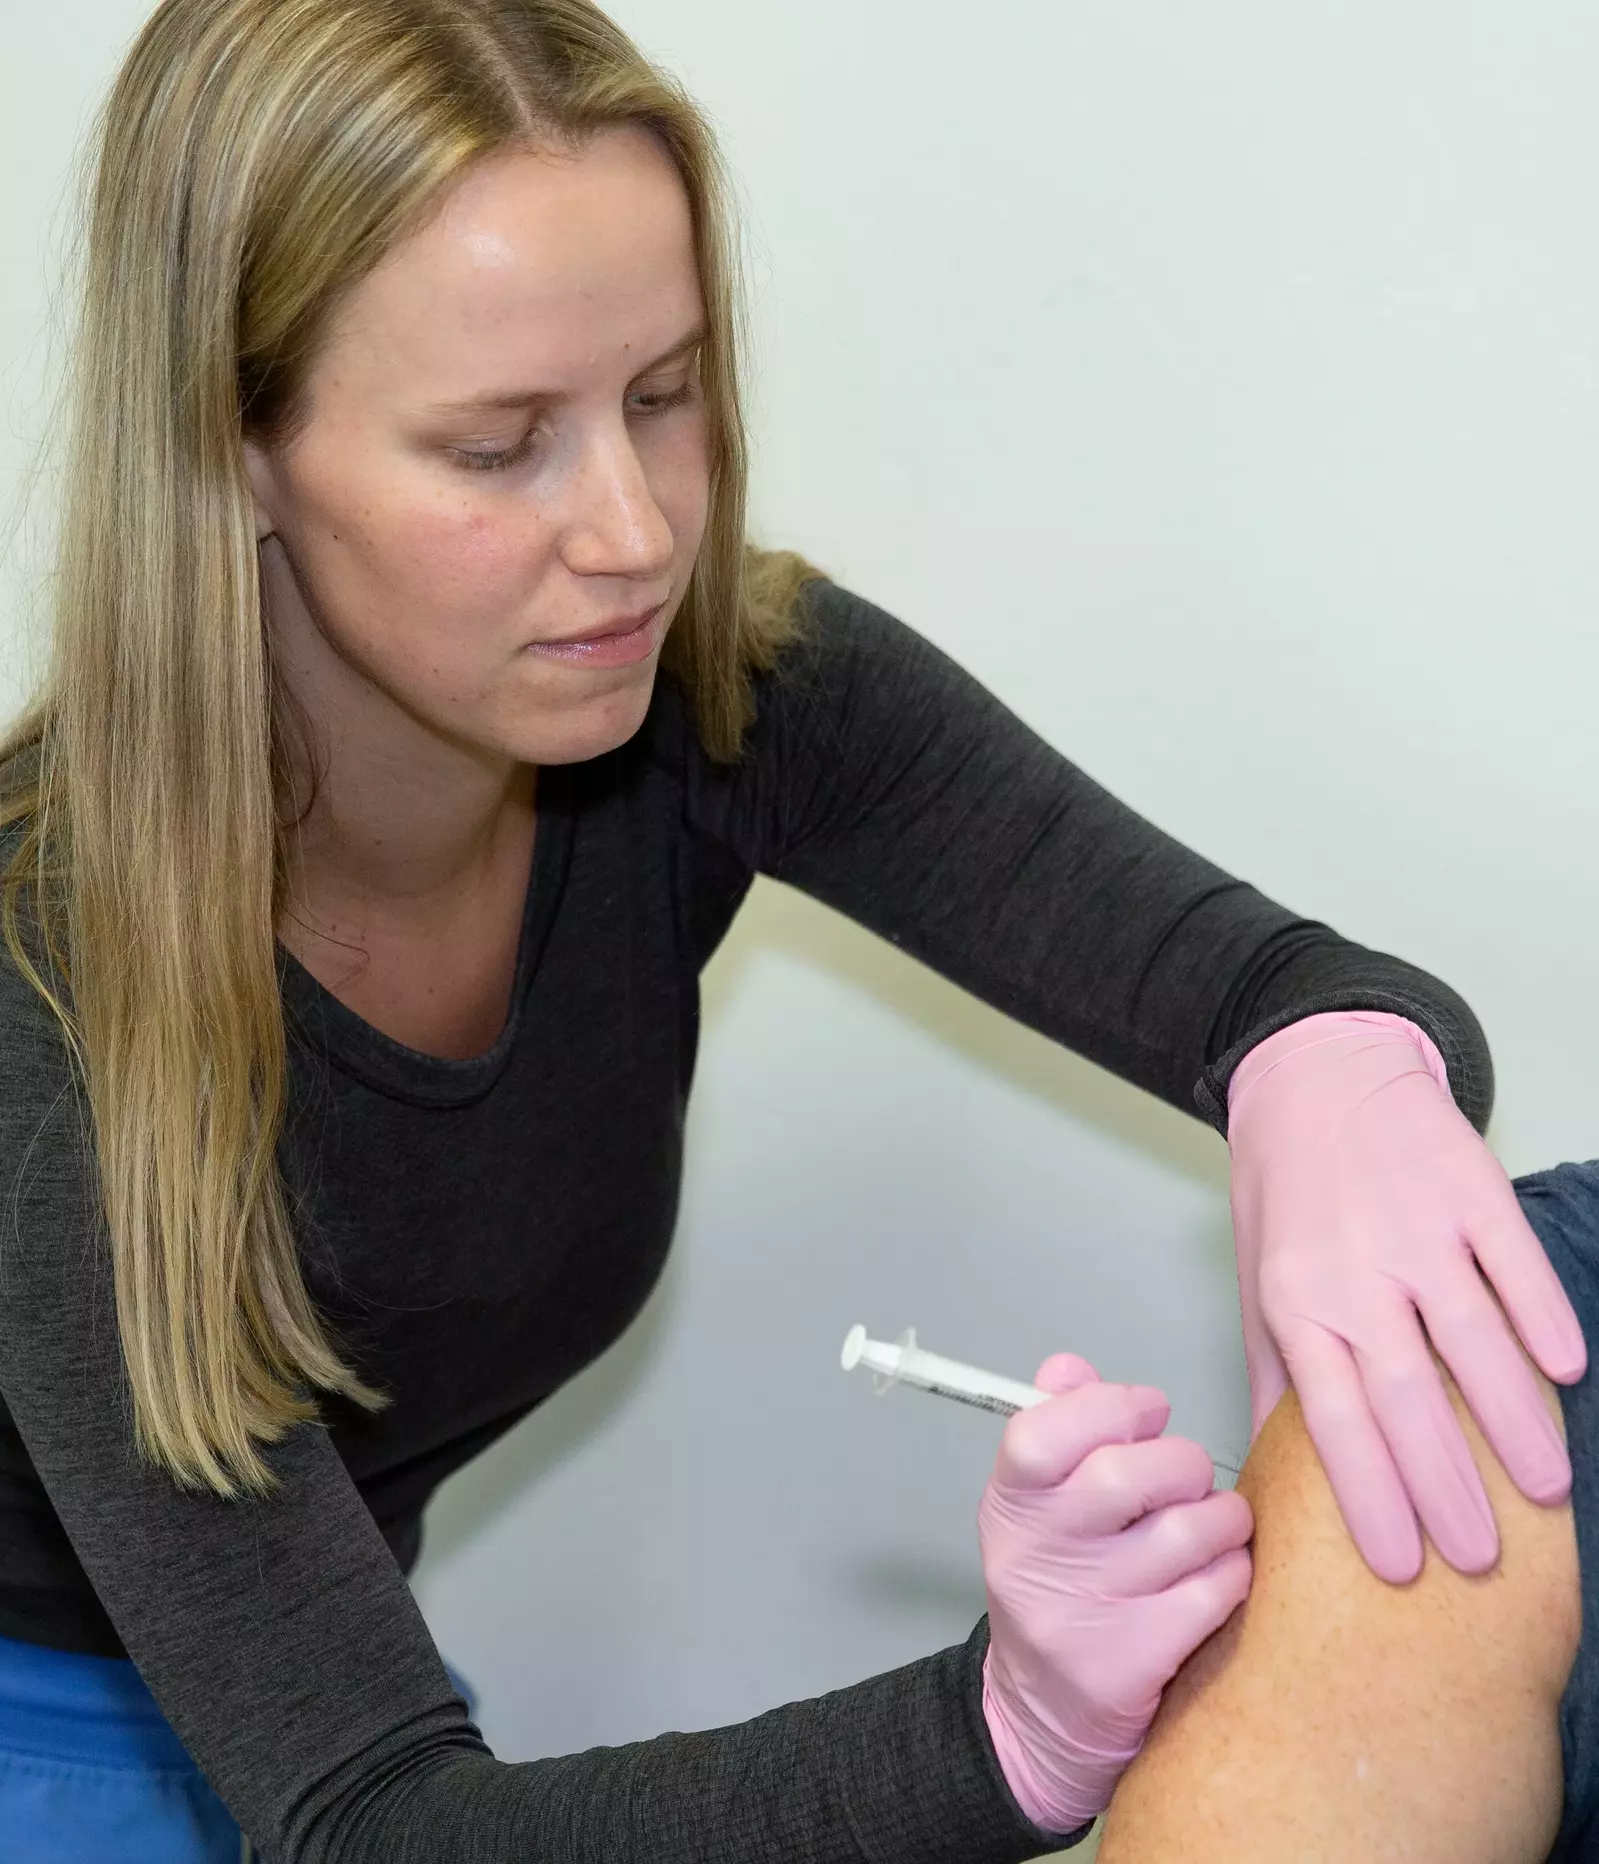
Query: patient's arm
x=1336 y=1717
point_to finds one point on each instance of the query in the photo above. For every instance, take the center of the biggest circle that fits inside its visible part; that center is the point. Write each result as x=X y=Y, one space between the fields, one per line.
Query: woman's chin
x=577 y=732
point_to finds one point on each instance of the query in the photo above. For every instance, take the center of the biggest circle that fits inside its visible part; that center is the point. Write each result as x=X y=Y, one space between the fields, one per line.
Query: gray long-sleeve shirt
x=478 y=1231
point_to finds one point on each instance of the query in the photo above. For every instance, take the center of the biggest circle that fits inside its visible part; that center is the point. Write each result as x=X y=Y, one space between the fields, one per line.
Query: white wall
x=1219 y=384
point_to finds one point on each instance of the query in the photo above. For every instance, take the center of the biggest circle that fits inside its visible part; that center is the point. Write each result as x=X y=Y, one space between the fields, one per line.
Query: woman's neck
x=414 y=923
x=395 y=837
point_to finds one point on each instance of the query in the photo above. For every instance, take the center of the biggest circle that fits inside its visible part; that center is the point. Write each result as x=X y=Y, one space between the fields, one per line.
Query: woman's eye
x=646 y=402
x=657 y=401
x=497 y=462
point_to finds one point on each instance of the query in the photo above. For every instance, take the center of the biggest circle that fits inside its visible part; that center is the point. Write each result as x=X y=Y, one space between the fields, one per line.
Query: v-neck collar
x=350 y=1042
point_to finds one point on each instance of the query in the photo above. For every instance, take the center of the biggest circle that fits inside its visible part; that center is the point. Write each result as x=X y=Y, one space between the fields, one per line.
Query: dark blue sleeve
x=1562 y=1205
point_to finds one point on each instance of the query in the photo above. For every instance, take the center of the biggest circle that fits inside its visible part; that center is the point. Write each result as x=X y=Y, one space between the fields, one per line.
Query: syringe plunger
x=905 y=1363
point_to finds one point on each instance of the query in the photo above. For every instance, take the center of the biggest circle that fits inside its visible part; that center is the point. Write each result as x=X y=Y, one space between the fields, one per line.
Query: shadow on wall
x=777 y=922
x=780 y=922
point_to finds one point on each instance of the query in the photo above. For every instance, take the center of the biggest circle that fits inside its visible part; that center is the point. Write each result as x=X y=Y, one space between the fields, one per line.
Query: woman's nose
x=616 y=526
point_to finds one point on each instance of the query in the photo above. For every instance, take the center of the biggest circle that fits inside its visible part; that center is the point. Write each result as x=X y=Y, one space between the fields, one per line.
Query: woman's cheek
x=479 y=565
x=680 y=482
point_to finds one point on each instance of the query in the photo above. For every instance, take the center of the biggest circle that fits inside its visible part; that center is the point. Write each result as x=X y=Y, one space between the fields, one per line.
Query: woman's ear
x=259 y=468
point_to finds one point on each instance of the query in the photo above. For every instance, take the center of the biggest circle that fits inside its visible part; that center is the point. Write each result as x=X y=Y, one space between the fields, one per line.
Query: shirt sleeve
x=882 y=779
x=282 y=1642
x=1562 y=1205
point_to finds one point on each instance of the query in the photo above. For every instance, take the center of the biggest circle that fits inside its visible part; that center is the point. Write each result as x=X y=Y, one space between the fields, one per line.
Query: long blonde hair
x=254 y=161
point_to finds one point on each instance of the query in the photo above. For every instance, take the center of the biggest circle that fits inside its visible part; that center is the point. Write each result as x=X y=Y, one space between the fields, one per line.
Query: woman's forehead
x=569 y=262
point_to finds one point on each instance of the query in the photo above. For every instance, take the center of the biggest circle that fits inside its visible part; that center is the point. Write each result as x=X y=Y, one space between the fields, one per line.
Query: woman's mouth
x=618 y=643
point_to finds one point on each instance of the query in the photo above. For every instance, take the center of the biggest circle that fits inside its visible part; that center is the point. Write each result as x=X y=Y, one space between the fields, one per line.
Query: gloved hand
x=1108 y=1557
x=1364 y=1203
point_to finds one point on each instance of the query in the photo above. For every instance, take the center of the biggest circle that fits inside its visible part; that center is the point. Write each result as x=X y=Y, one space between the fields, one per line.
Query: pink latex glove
x=1364 y=1203
x=1109 y=1556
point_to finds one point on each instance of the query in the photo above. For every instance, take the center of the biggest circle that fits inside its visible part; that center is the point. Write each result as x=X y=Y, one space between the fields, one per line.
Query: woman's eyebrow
x=521 y=397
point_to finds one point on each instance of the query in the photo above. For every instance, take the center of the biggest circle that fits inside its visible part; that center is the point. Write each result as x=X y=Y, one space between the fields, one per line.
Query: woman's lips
x=623 y=647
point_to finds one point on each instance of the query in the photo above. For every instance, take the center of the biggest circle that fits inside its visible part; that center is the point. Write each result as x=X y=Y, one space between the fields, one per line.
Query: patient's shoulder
x=1518 y=1623
x=1337 y=1716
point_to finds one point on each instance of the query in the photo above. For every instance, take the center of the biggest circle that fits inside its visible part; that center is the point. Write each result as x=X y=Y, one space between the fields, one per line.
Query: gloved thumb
x=1064 y=1372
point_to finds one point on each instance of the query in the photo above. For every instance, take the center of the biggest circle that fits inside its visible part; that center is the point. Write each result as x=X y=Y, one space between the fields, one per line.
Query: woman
x=417 y=722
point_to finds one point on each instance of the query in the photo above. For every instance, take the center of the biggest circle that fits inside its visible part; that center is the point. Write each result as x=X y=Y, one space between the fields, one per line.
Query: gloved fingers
x=1472 y=1337
x=1424 y=1436
x=1042 y=1446
x=1510 y=1255
x=1185 y=1538
x=1064 y=1372
x=1173 y=1624
x=1365 y=1479
x=1121 y=1483
x=1268 y=1377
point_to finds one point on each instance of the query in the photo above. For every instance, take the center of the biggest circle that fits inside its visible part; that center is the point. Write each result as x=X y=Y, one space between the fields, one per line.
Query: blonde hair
x=254 y=161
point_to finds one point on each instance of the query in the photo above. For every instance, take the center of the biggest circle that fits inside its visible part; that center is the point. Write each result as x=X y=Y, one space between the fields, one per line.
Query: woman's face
x=491 y=517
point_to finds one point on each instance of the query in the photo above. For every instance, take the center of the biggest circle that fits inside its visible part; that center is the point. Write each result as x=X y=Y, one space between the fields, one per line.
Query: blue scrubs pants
x=91 y=1772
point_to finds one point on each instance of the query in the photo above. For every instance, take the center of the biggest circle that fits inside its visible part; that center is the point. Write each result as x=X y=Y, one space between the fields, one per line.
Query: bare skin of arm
x=1335 y=1717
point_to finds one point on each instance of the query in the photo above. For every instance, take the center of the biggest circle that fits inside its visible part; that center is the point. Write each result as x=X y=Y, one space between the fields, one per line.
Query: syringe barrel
x=954 y=1379
x=906 y=1363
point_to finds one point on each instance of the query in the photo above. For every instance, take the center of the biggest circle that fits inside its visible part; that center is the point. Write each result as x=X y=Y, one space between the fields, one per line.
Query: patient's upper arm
x=1337 y=1717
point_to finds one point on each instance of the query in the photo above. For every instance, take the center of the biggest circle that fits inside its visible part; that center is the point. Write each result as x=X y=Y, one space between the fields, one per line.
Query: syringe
x=907 y=1364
